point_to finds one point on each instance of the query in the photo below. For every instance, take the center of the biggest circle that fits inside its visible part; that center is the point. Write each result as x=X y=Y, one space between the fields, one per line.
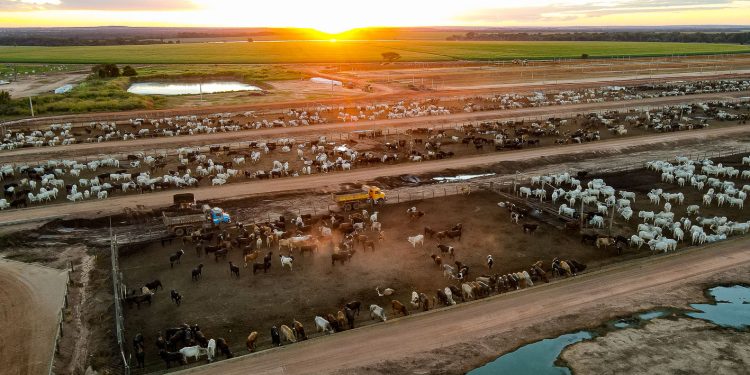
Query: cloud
x=107 y=5
x=567 y=12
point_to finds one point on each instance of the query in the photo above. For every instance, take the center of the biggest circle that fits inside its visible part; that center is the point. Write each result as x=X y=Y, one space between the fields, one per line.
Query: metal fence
x=118 y=293
x=60 y=320
x=408 y=195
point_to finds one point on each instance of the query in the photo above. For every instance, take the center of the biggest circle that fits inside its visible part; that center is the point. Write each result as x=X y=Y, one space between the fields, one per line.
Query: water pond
x=731 y=309
x=177 y=88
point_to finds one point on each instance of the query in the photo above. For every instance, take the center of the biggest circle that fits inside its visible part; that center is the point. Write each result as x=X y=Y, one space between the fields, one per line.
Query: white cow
x=418 y=239
x=323 y=325
x=375 y=312
x=286 y=261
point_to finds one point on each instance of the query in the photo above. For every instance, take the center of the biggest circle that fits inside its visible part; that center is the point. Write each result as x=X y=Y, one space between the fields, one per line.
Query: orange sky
x=335 y=16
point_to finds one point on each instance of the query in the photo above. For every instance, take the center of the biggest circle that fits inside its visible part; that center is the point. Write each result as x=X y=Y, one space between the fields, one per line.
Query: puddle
x=164 y=88
x=537 y=358
x=325 y=81
x=732 y=307
x=461 y=177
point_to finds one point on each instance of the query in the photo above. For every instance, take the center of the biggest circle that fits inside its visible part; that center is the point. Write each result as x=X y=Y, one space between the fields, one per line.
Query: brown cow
x=341 y=318
x=334 y=322
x=299 y=331
x=288 y=333
x=398 y=307
x=251 y=257
x=251 y=338
x=438 y=260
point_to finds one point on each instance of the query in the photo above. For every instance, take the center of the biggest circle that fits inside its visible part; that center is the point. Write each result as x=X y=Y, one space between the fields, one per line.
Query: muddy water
x=731 y=309
x=536 y=358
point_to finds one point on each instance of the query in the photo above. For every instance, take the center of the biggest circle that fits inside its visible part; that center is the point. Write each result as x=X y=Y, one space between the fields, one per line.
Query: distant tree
x=106 y=70
x=584 y=55
x=250 y=40
x=128 y=71
x=390 y=56
x=4 y=97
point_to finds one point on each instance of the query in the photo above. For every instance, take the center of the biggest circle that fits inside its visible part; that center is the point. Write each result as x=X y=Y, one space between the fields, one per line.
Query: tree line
x=625 y=36
x=44 y=41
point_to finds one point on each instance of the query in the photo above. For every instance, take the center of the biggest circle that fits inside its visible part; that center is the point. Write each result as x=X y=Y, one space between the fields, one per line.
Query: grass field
x=322 y=52
x=253 y=74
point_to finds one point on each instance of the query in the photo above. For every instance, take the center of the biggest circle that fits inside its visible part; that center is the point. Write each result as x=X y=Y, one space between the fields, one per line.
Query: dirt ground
x=663 y=346
x=31 y=297
x=497 y=74
x=232 y=308
x=42 y=83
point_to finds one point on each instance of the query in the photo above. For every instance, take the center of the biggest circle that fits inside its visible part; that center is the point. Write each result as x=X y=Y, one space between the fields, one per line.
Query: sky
x=337 y=16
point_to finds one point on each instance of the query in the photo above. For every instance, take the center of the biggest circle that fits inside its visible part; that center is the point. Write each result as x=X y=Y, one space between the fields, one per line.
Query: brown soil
x=231 y=308
x=30 y=301
x=663 y=346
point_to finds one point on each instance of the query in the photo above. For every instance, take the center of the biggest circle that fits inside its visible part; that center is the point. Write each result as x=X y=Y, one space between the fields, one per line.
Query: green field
x=346 y=51
x=111 y=94
x=253 y=74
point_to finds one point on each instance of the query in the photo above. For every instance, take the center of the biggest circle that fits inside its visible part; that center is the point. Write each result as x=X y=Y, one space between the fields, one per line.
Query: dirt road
x=494 y=316
x=30 y=300
x=78 y=150
x=93 y=208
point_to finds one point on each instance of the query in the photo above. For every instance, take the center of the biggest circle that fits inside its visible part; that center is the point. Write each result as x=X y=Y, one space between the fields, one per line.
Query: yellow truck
x=351 y=200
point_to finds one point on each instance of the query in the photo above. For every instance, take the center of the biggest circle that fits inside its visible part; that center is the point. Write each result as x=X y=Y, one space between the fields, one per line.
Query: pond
x=325 y=81
x=731 y=309
x=535 y=358
x=176 y=88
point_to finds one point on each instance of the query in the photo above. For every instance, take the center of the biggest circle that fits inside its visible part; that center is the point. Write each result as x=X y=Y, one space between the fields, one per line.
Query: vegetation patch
x=349 y=51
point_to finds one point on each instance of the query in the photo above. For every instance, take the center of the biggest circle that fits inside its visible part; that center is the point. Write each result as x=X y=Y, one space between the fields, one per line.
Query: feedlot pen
x=231 y=308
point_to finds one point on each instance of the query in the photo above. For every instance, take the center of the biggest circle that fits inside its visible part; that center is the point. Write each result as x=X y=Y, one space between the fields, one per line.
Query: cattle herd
x=73 y=180
x=343 y=237
x=139 y=128
x=665 y=219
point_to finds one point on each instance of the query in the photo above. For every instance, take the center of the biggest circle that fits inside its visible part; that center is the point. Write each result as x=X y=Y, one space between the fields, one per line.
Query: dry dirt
x=316 y=287
x=31 y=297
x=473 y=76
x=663 y=346
x=41 y=84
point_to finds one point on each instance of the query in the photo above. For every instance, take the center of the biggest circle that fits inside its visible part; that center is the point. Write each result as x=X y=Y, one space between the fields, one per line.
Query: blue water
x=651 y=315
x=732 y=308
x=166 y=88
x=536 y=358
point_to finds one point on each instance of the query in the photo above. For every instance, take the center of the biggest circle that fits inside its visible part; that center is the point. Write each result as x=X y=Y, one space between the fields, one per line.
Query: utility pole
x=31 y=107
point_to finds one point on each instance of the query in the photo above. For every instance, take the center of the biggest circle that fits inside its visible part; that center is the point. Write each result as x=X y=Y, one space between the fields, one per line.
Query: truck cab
x=375 y=195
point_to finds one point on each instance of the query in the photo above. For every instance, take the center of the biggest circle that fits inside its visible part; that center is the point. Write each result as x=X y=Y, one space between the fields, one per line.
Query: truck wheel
x=179 y=231
x=347 y=207
x=380 y=201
